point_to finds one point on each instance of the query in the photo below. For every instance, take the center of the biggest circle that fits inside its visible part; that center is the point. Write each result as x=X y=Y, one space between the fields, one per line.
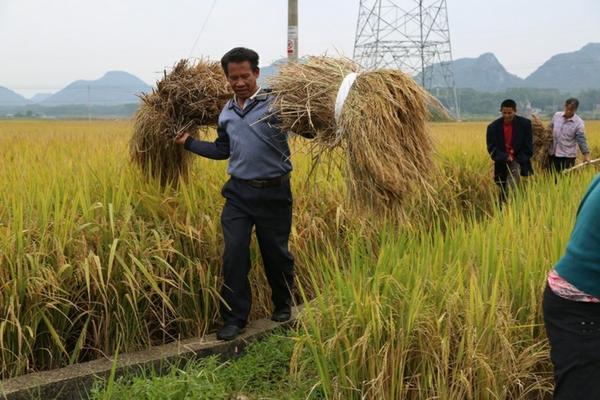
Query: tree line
x=542 y=101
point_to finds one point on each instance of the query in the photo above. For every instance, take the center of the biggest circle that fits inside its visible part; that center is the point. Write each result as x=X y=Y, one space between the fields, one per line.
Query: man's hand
x=587 y=158
x=182 y=138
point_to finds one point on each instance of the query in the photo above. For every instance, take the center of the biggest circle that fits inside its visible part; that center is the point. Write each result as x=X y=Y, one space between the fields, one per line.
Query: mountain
x=115 y=87
x=38 y=97
x=484 y=73
x=273 y=69
x=270 y=70
x=10 y=98
x=569 y=72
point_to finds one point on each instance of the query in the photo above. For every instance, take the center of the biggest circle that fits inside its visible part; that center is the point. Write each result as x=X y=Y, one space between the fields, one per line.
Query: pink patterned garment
x=564 y=289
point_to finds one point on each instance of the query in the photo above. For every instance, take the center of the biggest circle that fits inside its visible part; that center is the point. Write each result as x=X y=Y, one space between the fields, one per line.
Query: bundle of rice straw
x=542 y=142
x=382 y=126
x=190 y=96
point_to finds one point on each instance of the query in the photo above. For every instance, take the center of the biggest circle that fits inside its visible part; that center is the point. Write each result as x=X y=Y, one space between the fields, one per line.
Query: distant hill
x=569 y=72
x=115 y=93
x=10 y=98
x=38 y=97
x=484 y=73
x=115 y=87
x=269 y=71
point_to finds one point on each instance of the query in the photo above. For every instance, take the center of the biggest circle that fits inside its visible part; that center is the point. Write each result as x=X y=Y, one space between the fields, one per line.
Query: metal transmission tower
x=411 y=35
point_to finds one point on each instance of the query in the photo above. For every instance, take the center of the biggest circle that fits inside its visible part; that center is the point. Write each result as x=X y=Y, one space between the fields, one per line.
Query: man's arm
x=491 y=145
x=527 y=150
x=582 y=143
x=495 y=153
x=217 y=150
x=528 y=140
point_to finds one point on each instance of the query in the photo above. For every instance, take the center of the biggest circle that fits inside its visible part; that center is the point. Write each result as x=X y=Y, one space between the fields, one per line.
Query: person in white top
x=568 y=132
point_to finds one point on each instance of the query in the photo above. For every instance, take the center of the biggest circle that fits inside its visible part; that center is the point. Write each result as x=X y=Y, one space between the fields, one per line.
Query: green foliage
x=70 y=111
x=476 y=104
x=262 y=372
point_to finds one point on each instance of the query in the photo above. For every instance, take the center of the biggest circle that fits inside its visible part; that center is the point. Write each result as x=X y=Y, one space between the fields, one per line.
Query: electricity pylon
x=410 y=35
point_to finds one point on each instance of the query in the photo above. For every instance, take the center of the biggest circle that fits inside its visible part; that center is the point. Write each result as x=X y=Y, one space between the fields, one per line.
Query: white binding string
x=342 y=94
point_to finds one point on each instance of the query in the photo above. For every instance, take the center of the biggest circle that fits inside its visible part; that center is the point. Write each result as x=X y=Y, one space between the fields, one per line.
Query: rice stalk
x=542 y=142
x=190 y=96
x=382 y=127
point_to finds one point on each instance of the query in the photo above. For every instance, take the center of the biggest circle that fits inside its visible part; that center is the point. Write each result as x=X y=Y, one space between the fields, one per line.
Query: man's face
x=508 y=113
x=570 y=110
x=242 y=78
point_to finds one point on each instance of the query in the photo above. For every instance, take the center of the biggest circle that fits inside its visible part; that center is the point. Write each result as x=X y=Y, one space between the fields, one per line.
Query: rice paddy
x=440 y=302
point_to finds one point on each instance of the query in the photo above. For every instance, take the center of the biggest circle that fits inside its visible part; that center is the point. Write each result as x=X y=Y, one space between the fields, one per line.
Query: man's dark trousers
x=269 y=210
x=559 y=164
x=507 y=176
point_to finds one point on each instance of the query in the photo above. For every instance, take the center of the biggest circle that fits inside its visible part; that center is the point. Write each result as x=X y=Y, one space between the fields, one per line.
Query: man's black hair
x=573 y=101
x=238 y=55
x=509 y=103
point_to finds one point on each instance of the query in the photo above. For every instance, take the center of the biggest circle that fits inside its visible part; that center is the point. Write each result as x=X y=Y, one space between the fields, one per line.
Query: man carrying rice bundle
x=257 y=195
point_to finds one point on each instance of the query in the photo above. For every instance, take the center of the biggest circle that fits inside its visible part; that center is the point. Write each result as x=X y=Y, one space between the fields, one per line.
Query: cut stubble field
x=442 y=301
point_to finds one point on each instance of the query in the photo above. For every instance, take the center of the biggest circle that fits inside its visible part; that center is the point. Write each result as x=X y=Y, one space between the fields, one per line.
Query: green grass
x=262 y=372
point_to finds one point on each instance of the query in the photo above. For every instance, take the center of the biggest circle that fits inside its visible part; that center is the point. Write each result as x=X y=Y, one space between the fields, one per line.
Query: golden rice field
x=442 y=302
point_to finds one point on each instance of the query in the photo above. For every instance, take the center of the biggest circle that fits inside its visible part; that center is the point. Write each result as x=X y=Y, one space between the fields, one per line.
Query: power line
x=212 y=7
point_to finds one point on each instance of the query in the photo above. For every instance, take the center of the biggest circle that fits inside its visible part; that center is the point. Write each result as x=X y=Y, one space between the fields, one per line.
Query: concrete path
x=75 y=381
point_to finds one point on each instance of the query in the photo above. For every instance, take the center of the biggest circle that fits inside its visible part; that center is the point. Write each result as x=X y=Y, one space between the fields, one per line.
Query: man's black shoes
x=281 y=315
x=229 y=332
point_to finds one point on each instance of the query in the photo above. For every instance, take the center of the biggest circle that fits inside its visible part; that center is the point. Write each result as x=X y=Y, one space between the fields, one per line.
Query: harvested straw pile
x=542 y=142
x=382 y=126
x=190 y=96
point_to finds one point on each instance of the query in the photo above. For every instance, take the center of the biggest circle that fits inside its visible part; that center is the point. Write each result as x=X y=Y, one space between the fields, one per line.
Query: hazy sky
x=46 y=44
